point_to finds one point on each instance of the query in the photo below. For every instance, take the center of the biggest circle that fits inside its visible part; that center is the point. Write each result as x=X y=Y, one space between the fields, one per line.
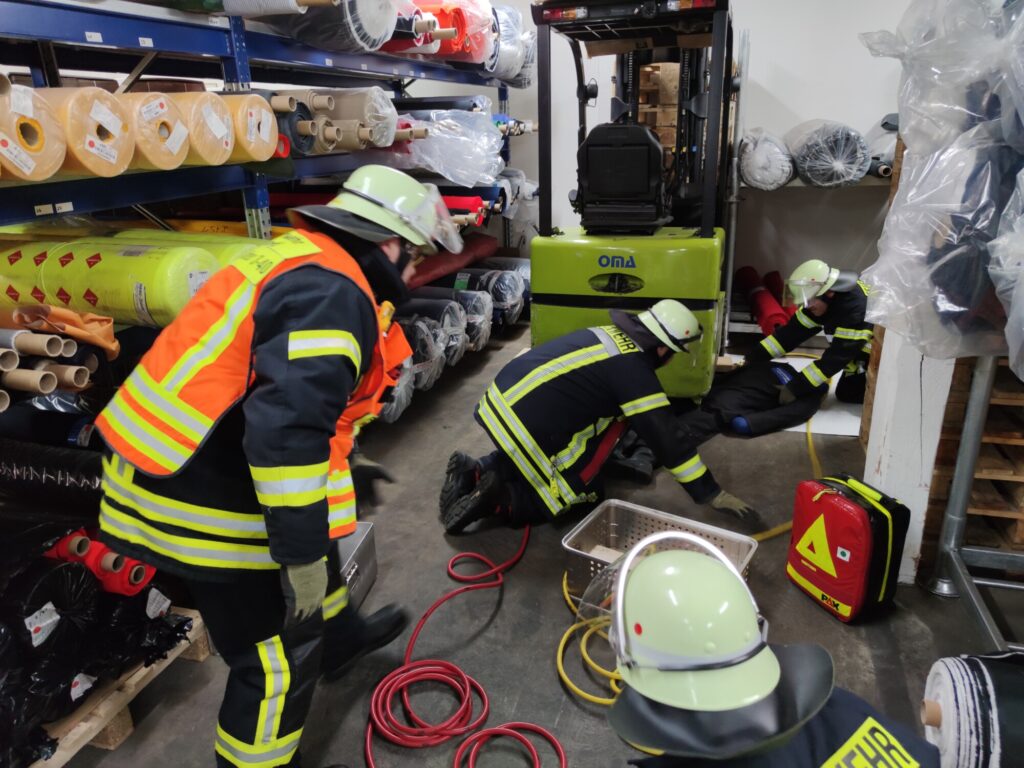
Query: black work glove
x=365 y=474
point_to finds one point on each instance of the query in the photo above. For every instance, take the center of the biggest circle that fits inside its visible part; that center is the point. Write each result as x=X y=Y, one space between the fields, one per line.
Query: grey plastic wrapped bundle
x=479 y=307
x=828 y=154
x=765 y=161
x=400 y=396
x=452 y=317
x=524 y=79
x=353 y=26
x=428 y=341
x=511 y=47
x=506 y=289
x=1005 y=268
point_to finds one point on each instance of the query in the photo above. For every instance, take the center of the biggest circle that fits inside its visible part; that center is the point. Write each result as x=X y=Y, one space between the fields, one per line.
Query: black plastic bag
x=51 y=604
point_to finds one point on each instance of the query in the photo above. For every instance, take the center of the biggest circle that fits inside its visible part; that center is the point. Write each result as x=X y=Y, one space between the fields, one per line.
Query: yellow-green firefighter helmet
x=673 y=324
x=815 y=278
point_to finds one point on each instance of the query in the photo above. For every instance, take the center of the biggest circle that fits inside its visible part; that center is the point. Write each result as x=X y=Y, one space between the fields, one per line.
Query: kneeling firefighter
x=229 y=448
x=702 y=685
x=556 y=412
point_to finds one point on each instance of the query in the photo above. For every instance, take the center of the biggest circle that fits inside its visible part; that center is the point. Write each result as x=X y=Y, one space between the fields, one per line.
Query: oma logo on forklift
x=622 y=262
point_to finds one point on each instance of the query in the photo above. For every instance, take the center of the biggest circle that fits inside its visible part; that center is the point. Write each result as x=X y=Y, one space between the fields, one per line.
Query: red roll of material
x=116 y=573
x=474 y=206
x=449 y=16
x=477 y=247
x=774 y=283
x=74 y=547
x=763 y=306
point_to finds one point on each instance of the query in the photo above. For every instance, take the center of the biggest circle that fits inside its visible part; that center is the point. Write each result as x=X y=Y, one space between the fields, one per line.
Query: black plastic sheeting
x=830 y=155
x=427 y=104
x=24 y=421
x=50 y=475
x=479 y=307
x=506 y=289
x=428 y=341
x=449 y=314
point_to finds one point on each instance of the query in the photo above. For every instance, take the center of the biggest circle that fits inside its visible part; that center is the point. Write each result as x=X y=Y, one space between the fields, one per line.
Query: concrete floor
x=507 y=639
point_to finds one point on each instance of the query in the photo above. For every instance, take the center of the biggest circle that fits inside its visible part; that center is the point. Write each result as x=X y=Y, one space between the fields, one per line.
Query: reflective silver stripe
x=318 y=343
x=173 y=410
x=217 y=555
x=689 y=470
x=772 y=345
x=806 y=321
x=552 y=369
x=341 y=481
x=644 y=404
x=335 y=602
x=578 y=445
x=280 y=754
x=854 y=334
x=276 y=667
x=119 y=412
x=151 y=504
x=814 y=375
x=290 y=487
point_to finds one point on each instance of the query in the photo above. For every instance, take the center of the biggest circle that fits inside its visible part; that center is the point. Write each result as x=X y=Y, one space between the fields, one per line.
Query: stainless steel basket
x=616 y=526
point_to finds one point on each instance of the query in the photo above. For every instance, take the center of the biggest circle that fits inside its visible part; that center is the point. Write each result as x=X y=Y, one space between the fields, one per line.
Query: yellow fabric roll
x=255 y=128
x=225 y=248
x=161 y=134
x=32 y=145
x=210 y=127
x=99 y=141
x=134 y=284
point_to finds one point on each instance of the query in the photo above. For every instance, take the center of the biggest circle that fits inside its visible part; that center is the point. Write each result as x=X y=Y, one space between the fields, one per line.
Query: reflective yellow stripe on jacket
x=689 y=470
x=772 y=346
x=296 y=486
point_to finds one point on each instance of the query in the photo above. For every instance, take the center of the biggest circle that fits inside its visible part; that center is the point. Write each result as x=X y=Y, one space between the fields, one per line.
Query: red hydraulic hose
x=386 y=723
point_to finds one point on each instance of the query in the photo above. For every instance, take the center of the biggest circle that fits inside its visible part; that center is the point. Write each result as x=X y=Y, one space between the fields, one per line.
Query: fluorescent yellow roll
x=211 y=130
x=32 y=145
x=99 y=141
x=161 y=134
x=134 y=284
x=255 y=127
x=225 y=248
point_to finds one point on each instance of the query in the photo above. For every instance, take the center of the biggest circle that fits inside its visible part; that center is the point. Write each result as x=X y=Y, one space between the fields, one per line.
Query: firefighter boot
x=481 y=502
x=462 y=476
x=348 y=637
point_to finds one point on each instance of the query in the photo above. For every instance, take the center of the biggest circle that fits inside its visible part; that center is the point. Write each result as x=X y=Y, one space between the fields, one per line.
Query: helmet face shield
x=446 y=232
x=800 y=292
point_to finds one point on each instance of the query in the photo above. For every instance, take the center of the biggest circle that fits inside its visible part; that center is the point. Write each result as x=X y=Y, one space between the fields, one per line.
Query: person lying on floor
x=556 y=412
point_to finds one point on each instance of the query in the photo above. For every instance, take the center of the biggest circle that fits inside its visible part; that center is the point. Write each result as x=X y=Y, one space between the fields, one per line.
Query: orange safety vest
x=201 y=365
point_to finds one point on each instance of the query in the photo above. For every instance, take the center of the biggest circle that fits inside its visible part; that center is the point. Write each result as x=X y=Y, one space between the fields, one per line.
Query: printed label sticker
x=101 y=113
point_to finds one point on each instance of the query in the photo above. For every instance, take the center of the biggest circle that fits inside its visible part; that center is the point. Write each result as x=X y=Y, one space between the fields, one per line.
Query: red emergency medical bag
x=846 y=545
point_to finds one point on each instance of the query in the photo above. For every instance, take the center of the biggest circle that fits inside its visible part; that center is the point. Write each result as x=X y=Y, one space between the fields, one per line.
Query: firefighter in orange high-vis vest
x=229 y=448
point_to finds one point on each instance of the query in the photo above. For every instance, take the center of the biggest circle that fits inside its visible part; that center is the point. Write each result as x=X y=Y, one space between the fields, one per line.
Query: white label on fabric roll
x=93 y=37
x=40 y=625
x=101 y=113
x=21 y=159
x=145 y=42
x=330 y=63
x=21 y=101
x=67 y=207
x=81 y=685
x=250 y=125
x=177 y=137
x=98 y=148
x=214 y=122
x=196 y=280
x=265 y=118
x=141 y=307
x=154 y=109
x=43 y=210
x=136 y=250
x=157 y=604
x=85 y=435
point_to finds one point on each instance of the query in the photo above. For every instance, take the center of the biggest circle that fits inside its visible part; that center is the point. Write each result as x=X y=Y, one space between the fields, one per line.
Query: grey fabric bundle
x=828 y=154
x=479 y=307
x=452 y=317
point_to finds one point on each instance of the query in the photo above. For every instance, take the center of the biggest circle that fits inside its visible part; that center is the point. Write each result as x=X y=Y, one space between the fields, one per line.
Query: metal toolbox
x=358 y=556
x=616 y=526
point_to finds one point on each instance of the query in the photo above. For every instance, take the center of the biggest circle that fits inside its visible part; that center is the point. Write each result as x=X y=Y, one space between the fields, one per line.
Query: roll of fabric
x=400 y=396
x=513 y=264
x=765 y=309
x=449 y=15
x=210 y=129
x=300 y=128
x=327 y=135
x=511 y=50
x=409 y=32
x=224 y=248
x=506 y=289
x=480 y=41
x=428 y=341
x=828 y=154
x=315 y=100
x=32 y=144
x=410 y=105
x=372 y=108
x=479 y=308
x=134 y=284
x=121 y=637
x=24 y=422
x=352 y=26
x=99 y=142
x=254 y=126
x=244 y=8
x=160 y=129
x=50 y=604
x=452 y=317
x=765 y=161
x=477 y=246
x=50 y=475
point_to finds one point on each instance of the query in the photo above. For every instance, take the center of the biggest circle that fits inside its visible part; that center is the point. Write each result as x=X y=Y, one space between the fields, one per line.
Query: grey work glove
x=726 y=502
x=304 y=587
x=786 y=395
x=365 y=474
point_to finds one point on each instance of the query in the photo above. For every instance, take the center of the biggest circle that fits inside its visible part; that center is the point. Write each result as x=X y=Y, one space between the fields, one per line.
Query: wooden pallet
x=104 y=720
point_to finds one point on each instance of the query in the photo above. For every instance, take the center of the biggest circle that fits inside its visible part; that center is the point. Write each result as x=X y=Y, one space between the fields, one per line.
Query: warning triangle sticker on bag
x=813 y=546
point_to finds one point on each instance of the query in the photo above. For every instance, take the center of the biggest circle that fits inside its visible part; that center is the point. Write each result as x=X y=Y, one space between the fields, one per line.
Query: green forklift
x=651 y=204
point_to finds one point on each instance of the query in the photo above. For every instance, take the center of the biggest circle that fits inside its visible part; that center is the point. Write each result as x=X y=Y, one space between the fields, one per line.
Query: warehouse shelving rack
x=115 y=36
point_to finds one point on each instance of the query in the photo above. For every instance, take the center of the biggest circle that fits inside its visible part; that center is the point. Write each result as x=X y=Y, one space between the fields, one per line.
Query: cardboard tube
x=282 y=103
x=5 y=401
x=210 y=130
x=32 y=143
x=403 y=134
x=112 y=562
x=8 y=359
x=315 y=3
x=97 y=130
x=445 y=34
x=255 y=127
x=420 y=132
x=68 y=376
x=68 y=347
x=423 y=25
x=39 y=382
x=353 y=137
x=29 y=343
x=91 y=363
x=137 y=574
x=306 y=127
x=931 y=713
x=326 y=135
x=161 y=134
x=78 y=545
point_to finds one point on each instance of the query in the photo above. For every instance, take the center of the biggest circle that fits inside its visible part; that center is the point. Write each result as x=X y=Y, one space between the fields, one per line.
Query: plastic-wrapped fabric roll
x=525 y=76
x=428 y=341
x=353 y=26
x=372 y=108
x=254 y=126
x=210 y=130
x=478 y=43
x=506 y=289
x=32 y=144
x=123 y=622
x=511 y=49
x=50 y=604
x=450 y=15
x=477 y=246
x=95 y=129
x=300 y=128
x=135 y=284
x=161 y=134
x=410 y=105
x=479 y=307
x=408 y=33
x=224 y=248
x=463 y=147
x=512 y=264
x=765 y=161
x=401 y=394
x=828 y=154
x=763 y=306
x=452 y=317
x=49 y=474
